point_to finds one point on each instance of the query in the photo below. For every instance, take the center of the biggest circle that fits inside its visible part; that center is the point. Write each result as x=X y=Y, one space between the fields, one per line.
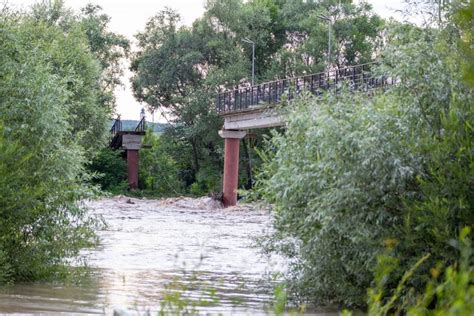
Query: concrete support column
x=132 y=164
x=132 y=143
x=231 y=165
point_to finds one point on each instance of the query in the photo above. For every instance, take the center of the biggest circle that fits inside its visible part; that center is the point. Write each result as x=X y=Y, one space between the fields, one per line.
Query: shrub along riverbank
x=349 y=178
x=54 y=108
x=353 y=175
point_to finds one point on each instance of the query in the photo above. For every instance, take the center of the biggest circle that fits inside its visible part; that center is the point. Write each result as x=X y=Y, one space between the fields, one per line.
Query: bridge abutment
x=231 y=165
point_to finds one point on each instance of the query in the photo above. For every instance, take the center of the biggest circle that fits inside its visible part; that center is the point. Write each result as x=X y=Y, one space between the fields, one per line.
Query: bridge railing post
x=235 y=100
x=275 y=99
x=269 y=96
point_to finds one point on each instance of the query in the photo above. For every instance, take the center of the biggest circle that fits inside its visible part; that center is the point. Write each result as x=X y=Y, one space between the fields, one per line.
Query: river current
x=152 y=247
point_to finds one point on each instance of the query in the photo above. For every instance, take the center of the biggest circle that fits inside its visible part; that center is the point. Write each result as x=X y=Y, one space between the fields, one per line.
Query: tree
x=181 y=69
x=170 y=72
x=109 y=48
x=158 y=170
x=52 y=119
x=41 y=166
x=111 y=170
x=394 y=169
x=291 y=37
x=93 y=77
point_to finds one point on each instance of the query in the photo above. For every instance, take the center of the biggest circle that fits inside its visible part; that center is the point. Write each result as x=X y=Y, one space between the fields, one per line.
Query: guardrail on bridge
x=141 y=127
x=359 y=77
x=116 y=127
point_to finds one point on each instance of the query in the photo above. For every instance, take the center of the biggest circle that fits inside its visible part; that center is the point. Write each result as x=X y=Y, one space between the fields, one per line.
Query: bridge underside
x=253 y=119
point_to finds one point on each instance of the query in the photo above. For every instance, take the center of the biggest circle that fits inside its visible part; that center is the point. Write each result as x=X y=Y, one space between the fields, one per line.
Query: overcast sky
x=129 y=17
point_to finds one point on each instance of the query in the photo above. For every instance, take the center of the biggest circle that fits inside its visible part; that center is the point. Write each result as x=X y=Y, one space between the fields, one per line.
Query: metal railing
x=117 y=127
x=141 y=127
x=359 y=77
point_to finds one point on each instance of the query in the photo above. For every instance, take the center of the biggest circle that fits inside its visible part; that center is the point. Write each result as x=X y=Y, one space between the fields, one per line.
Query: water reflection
x=150 y=244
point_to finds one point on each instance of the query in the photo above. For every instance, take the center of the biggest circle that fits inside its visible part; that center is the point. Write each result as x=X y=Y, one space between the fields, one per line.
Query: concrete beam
x=132 y=142
x=232 y=134
x=252 y=120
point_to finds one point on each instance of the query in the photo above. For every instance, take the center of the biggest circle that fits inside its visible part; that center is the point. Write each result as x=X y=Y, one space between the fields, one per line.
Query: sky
x=128 y=17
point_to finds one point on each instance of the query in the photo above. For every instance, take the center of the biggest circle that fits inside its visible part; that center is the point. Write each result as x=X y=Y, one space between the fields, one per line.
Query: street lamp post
x=246 y=40
x=327 y=19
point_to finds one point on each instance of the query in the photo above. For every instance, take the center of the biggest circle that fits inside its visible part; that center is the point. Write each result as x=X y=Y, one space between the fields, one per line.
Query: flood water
x=153 y=247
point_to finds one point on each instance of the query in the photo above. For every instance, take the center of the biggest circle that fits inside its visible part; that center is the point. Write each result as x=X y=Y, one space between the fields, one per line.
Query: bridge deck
x=250 y=99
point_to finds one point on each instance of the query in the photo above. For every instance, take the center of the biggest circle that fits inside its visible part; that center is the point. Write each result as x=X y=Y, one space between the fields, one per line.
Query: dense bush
x=49 y=119
x=449 y=291
x=352 y=172
x=111 y=170
x=158 y=174
x=337 y=180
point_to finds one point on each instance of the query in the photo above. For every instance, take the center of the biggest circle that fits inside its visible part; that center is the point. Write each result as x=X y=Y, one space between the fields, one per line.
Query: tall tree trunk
x=249 y=163
x=195 y=155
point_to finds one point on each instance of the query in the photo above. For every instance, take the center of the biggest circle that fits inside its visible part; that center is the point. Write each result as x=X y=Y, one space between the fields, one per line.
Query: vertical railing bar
x=270 y=92
x=251 y=95
x=246 y=103
x=240 y=99
x=276 y=92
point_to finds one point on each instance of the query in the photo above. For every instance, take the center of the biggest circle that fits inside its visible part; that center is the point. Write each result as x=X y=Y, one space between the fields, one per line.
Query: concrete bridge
x=255 y=107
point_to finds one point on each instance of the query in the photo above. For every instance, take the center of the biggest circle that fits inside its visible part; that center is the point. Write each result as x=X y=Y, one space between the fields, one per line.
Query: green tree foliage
x=41 y=164
x=51 y=120
x=449 y=290
x=336 y=180
x=93 y=72
x=111 y=170
x=290 y=36
x=53 y=28
x=159 y=173
x=170 y=71
x=441 y=98
x=179 y=70
x=352 y=172
x=464 y=19
x=108 y=48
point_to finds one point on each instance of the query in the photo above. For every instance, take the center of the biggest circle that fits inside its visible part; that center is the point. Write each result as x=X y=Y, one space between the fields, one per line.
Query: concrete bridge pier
x=231 y=165
x=132 y=168
x=132 y=143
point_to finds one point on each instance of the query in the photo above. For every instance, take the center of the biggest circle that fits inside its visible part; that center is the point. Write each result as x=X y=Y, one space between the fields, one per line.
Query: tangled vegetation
x=53 y=116
x=349 y=177
x=353 y=175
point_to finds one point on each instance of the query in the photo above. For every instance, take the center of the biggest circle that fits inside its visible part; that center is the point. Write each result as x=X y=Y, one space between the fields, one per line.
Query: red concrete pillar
x=132 y=163
x=231 y=165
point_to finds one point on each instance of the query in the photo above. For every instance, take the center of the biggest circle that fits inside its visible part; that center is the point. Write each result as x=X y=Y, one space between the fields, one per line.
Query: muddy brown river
x=150 y=249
